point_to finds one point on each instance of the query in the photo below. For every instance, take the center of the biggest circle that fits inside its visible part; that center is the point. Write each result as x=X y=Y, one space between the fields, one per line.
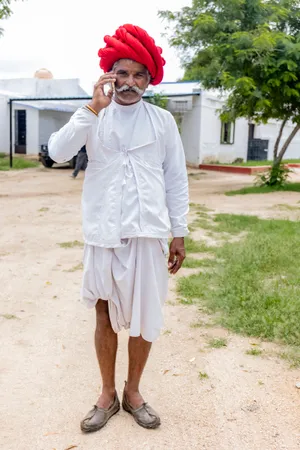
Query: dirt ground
x=49 y=373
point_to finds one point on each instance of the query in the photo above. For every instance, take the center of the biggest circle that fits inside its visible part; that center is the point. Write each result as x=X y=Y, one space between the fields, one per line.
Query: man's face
x=132 y=81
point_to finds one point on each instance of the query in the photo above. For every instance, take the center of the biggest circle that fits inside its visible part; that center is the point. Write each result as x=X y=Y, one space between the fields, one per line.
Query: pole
x=10 y=135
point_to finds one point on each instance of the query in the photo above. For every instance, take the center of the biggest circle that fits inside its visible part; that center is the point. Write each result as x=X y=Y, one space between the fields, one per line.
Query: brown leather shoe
x=145 y=416
x=98 y=417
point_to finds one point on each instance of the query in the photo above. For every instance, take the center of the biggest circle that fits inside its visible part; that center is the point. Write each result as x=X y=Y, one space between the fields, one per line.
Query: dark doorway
x=251 y=131
x=257 y=148
x=20 y=131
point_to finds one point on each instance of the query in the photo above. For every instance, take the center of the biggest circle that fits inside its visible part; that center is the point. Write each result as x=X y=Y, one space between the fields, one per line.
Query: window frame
x=232 y=133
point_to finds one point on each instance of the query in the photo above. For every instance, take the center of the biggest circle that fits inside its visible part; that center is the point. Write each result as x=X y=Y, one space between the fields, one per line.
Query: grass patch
x=255 y=282
x=201 y=223
x=196 y=175
x=292 y=356
x=293 y=187
x=217 y=343
x=199 y=207
x=9 y=316
x=203 y=376
x=18 y=163
x=192 y=246
x=71 y=244
x=287 y=207
x=192 y=263
x=167 y=332
x=185 y=301
x=254 y=352
x=197 y=325
x=75 y=268
x=43 y=210
x=194 y=287
x=234 y=224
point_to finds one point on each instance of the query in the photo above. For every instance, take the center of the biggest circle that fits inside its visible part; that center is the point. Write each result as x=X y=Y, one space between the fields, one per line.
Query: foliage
x=5 y=11
x=158 y=100
x=250 y=50
x=275 y=176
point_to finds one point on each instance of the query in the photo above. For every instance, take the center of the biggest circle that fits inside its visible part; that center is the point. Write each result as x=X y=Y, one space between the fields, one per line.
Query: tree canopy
x=5 y=11
x=248 y=48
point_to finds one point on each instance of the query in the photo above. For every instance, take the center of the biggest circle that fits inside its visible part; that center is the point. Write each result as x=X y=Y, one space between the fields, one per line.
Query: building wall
x=50 y=122
x=190 y=132
x=211 y=148
x=270 y=131
x=32 y=123
x=32 y=128
x=4 y=125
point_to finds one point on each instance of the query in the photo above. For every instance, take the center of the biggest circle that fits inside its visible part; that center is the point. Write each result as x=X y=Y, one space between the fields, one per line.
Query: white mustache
x=125 y=88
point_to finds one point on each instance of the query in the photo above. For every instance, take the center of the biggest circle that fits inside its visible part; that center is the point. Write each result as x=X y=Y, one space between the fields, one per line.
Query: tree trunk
x=286 y=144
x=275 y=152
x=277 y=176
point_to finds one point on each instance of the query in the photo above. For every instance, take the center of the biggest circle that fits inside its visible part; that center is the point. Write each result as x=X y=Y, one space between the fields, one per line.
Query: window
x=227 y=132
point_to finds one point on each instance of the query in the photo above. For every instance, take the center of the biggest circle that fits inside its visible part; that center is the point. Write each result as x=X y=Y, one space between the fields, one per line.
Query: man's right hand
x=100 y=100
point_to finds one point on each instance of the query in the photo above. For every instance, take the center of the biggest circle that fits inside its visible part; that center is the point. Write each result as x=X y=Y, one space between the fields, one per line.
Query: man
x=135 y=192
x=81 y=162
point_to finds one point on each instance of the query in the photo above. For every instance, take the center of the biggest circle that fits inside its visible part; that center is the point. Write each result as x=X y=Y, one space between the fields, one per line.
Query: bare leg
x=106 y=343
x=138 y=351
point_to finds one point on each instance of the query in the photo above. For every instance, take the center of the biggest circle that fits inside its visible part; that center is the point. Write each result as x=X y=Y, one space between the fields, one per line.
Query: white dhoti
x=133 y=279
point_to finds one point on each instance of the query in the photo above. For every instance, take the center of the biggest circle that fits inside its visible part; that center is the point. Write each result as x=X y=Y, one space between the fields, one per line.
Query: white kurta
x=135 y=193
x=139 y=140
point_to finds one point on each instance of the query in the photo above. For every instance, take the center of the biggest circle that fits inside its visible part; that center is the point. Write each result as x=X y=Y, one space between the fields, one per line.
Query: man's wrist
x=95 y=107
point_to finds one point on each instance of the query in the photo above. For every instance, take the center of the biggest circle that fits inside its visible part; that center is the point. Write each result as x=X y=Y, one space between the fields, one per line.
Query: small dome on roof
x=43 y=73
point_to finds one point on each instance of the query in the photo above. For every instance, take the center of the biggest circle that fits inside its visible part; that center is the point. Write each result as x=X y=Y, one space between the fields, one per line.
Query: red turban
x=132 y=42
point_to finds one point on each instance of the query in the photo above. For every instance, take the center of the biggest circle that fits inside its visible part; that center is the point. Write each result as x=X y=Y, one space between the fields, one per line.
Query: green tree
x=249 y=49
x=5 y=11
x=158 y=100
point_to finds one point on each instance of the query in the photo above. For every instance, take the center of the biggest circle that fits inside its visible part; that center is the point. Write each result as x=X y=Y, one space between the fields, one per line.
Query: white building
x=34 y=121
x=206 y=139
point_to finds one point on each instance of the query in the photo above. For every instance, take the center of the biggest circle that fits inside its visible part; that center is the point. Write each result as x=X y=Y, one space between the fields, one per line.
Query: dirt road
x=49 y=374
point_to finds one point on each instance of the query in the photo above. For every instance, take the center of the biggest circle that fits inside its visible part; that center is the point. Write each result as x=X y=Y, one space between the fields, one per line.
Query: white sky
x=65 y=35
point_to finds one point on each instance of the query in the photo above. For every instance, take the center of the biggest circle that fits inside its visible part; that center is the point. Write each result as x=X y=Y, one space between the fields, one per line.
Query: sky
x=64 y=36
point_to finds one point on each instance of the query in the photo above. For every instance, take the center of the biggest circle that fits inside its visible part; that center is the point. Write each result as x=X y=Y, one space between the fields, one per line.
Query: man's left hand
x=177 y=254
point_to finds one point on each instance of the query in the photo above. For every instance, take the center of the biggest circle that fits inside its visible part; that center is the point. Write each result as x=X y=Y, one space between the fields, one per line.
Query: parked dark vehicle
x=48 y=162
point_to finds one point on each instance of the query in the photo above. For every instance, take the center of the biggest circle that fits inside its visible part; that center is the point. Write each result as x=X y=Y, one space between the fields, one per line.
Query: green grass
x=196 y=176
x=255 y=283
x=291 y=355
x=71 y=244
x=192 y=246
x=217 y=343
x=287 y=207
x=9 y=316
x=254 y=352
x=259 y=163
x=193 y=263
x=294 y=187
x=202 y=376
x=18 y=163
x=75 y=268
